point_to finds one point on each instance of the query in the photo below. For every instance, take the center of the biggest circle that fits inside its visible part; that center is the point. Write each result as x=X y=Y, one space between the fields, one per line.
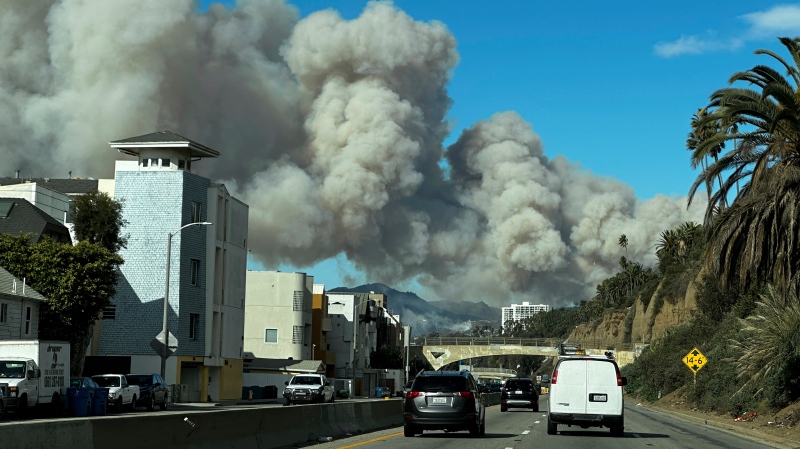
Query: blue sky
x=611 y=86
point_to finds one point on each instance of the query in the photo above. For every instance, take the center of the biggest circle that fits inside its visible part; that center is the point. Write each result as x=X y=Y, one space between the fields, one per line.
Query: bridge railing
x=540 y=342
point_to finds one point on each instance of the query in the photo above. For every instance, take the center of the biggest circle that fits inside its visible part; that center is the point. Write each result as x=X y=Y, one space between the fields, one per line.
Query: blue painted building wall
x=156 y=203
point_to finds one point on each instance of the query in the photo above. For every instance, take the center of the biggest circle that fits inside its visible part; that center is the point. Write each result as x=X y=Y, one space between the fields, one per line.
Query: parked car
x=152 y=389
x=120 y=392
x=308 y=388
x=444 y=400
x=519 y=392
x=82 y=382
x=406 y=388
x=586 y=391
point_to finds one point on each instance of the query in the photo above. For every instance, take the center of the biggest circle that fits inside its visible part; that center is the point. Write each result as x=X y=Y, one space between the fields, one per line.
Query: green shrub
x=343 y=394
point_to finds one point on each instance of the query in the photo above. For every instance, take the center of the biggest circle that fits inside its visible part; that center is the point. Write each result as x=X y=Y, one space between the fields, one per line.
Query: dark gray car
x=444 y=400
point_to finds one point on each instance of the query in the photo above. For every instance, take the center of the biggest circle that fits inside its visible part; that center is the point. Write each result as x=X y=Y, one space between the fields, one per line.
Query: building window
x=271 y=336
x=154 y=162
x=194 y=269
x=3 y=313
x=110 y=312
x=197 y=208
x=298 y=302
x=194 y=325
x=27 y=320
x=297 y=335
x=144 y=162
x=165 y=163
x=181 y=164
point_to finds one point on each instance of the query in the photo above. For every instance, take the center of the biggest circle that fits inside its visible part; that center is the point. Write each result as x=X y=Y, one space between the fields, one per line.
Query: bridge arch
x=442 y=351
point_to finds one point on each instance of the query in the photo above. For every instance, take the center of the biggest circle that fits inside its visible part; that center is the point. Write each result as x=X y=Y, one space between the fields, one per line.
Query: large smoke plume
x=332 y=131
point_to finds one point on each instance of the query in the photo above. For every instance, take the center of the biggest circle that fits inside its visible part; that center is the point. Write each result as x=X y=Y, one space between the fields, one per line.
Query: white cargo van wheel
x=552 y=428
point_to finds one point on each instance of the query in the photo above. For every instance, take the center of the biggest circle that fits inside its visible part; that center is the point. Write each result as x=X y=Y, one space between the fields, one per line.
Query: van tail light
x=467 y=394
x=554 y=378
x=619 y=379
x=414 y=394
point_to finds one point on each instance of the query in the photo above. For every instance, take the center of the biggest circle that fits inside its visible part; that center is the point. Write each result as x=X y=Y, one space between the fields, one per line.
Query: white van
x=586 y=391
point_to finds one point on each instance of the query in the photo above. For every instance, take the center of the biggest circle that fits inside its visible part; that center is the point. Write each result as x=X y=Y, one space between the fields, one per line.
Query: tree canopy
x=78 y=282
x=98 y=219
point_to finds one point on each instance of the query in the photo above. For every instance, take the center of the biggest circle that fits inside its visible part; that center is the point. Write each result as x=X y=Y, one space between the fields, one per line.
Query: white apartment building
x=518 y=312
x=278 y=315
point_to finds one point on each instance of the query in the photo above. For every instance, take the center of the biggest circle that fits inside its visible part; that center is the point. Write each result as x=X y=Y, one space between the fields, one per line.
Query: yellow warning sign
x=695 y=360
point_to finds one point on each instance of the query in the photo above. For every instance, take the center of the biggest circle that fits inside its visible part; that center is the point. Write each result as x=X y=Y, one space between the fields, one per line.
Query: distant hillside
x=440 y=316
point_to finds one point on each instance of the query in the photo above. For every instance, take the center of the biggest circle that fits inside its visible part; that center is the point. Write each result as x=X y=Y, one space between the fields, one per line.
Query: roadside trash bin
x=99 y=401
x=270 y=392
x=80 y=401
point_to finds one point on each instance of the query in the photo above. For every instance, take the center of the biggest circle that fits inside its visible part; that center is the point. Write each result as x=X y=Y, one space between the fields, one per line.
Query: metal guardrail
x=540 y=342
x=493 y=370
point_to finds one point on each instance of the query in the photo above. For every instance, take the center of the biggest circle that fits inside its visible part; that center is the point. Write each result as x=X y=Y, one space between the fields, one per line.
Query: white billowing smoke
x=332 y=131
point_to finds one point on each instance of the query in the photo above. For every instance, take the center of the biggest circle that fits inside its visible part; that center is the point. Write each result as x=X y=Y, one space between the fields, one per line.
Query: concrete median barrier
x=73 y=433
x=250 y=428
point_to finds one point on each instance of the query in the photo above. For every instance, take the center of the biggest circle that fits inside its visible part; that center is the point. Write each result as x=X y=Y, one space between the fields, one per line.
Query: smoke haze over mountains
x=332 y=131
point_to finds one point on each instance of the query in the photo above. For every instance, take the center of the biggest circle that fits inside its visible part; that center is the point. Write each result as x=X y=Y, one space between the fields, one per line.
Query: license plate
x=599 y=398
x=301 y=393
x=439 y=401
x=518 y=392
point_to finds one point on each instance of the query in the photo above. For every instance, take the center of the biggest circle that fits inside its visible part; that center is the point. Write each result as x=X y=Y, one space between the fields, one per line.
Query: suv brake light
x=554 y=378
x=467 y=394
x=414 y=394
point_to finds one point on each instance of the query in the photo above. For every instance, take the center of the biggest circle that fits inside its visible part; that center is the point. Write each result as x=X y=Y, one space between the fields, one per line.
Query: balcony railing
x=537 y=342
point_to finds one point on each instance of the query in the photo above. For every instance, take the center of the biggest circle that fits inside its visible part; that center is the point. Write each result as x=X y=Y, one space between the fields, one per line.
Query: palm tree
x=757 y=237
x=703 y=129
x=769 y=340
x=623 y=242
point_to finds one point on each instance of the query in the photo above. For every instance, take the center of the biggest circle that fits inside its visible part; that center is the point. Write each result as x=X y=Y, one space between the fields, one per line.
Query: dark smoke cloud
x=332 y=131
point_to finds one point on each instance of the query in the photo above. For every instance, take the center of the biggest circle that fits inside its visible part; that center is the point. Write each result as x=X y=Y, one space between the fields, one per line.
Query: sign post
x=695 y=360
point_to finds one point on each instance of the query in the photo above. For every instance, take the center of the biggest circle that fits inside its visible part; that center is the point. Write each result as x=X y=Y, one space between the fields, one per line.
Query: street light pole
x=164 y=327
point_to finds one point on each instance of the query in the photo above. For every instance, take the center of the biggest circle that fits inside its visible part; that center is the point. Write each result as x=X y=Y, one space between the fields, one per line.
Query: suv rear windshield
x=524 y=385
x=440 y=383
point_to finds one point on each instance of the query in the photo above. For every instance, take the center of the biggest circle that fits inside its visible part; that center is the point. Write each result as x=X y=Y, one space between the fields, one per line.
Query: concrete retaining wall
x=256 y=428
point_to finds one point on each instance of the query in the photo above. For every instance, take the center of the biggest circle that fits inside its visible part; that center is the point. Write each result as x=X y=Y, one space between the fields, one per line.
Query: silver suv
x=444 y=400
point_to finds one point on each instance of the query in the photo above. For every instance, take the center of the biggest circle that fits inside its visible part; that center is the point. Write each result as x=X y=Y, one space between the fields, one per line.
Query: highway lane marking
x=526 y=432
x=536 y=422
x=371 y=441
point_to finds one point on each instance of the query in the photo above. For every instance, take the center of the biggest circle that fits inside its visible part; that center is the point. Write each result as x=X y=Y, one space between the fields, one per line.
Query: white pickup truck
x=120 y=393
x=308 y=388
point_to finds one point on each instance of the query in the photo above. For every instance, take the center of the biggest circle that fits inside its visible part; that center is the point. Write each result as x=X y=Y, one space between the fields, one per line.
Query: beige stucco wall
x=268 y=304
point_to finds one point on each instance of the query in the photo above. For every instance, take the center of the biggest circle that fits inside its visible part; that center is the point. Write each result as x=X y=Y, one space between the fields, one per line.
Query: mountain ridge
x=438 y=316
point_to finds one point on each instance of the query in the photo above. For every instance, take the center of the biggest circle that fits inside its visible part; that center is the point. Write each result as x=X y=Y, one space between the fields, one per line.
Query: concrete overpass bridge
x=441 y=351
x=493 y=373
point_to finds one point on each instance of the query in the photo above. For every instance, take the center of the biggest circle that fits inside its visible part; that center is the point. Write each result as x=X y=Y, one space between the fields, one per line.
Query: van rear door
x=569 y=393
x=604 y=395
